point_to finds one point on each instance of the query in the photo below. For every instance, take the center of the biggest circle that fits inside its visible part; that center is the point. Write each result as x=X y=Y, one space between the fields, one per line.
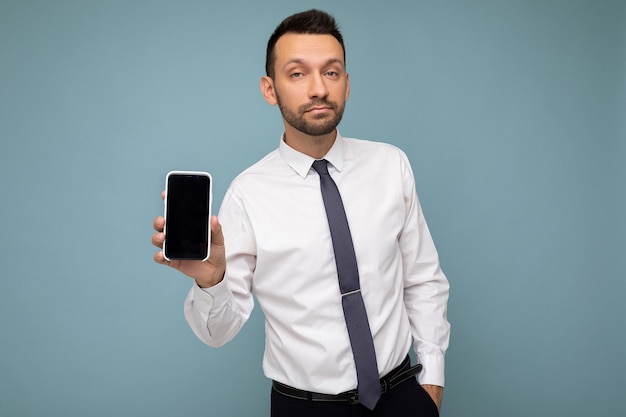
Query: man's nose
x=317 y=86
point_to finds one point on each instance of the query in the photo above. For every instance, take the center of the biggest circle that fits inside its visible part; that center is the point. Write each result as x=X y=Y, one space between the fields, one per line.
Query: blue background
x=513 y=116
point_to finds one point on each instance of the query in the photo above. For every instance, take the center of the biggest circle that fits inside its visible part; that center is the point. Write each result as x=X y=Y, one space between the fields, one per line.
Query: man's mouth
x=318 y=109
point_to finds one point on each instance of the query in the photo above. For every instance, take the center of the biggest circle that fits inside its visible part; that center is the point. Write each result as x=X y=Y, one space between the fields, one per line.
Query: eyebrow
x=303 y=62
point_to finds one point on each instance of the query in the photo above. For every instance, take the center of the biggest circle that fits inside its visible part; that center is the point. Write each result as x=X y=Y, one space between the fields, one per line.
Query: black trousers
x=406 y=400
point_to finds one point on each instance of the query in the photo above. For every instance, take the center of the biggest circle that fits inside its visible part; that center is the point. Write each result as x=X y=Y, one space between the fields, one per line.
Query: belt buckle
x=353 y=398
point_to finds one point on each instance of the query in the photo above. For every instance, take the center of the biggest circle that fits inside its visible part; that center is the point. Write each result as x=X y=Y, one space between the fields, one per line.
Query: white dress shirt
x=278 y=246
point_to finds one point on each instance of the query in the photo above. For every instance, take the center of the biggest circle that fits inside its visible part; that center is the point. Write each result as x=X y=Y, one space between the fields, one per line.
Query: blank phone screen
x=187 y=216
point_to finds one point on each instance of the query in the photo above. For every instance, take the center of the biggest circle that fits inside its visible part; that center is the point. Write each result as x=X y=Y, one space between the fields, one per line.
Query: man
x=279 y=243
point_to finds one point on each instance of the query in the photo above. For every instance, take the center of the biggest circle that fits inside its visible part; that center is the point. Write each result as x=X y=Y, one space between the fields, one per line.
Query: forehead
x=307 y=48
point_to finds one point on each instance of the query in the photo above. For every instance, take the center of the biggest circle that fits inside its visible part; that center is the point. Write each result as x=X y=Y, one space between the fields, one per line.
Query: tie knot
x=320 y=166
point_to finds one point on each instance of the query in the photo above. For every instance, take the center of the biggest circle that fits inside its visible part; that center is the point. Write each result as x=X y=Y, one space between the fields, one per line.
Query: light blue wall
x=512 y=113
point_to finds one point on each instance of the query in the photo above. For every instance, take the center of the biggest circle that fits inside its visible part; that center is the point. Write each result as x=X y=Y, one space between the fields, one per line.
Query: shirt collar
x=301 y=163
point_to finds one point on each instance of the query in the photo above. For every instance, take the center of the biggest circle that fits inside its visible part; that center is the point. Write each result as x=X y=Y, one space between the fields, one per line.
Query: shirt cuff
x=433 y=370
x=217 y=295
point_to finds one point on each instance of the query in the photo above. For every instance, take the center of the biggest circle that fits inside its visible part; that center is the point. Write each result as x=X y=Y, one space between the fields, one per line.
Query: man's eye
x=332 y=73
x=296 y=75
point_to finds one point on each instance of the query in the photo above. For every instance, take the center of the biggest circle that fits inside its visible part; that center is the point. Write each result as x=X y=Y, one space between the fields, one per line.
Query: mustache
x=318 y=103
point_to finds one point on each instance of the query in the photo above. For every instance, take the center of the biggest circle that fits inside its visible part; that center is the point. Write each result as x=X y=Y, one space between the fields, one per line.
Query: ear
x=268 y=91
x=347 y=86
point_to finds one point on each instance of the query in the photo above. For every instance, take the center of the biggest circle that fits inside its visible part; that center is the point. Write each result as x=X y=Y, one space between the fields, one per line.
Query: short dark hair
x=312 y=22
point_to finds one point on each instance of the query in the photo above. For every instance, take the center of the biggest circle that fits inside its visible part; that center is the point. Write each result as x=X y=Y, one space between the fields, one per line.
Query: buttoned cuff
x=432 y=371
x=216 y=296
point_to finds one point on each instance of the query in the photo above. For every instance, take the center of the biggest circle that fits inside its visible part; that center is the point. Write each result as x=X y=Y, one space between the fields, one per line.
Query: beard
x=321 y=124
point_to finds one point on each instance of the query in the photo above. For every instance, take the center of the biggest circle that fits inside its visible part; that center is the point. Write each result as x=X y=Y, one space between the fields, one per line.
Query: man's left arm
x=426 y=290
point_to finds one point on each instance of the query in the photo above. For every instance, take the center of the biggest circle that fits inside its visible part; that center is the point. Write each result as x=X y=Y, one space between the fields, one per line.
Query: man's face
x=311 y=85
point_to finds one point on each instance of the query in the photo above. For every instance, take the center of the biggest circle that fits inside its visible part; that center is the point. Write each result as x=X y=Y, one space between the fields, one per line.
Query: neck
x=313 y=146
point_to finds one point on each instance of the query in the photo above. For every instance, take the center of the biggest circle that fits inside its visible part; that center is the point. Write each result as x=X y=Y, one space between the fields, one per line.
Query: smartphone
x=188 y=199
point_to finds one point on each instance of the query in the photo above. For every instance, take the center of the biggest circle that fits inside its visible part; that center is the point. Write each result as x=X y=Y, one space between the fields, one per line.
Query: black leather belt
x=387 y=383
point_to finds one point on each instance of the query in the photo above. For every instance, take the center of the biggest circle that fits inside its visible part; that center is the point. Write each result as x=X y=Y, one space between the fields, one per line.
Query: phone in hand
x=188 y=199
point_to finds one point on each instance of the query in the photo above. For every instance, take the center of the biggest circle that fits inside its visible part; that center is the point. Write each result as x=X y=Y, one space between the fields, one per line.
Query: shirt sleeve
x=426 y=288
x=217 y=314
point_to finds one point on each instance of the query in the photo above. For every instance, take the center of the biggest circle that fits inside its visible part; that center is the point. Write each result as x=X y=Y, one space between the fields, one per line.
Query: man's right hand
x=206 y=273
